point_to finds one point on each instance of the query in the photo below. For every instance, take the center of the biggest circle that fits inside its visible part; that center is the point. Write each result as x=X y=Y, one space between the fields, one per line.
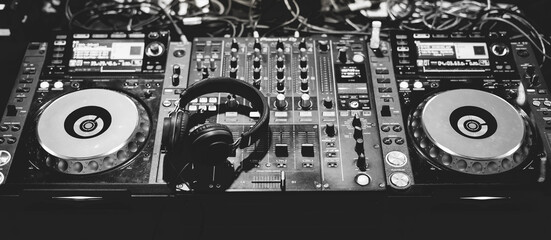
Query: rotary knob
x=304 y=85
x=233 y=62
x=280 y=73
x=323 y=45
x=212 y=64
x=342 y=55
x=281 y=103
x=176 y=80
x=361 y=162
x=256 y=62
x=205 y=73
x=302 y=44
x=358 y=133
x=330 y=129
x=279 y=45
x=303 y=62
x=359 y=147
x=328 y=102
x=356 y=122
x=256 y=45
x=233 y=72
x=303 y=73
x=256 y=73
x=279 y=62
x=305 y=102
x=234 y=45
x=154 y=49
x=280 y=86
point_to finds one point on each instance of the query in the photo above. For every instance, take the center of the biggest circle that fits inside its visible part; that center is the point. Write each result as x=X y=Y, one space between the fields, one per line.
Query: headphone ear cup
x=175 y=128
x=210 y=142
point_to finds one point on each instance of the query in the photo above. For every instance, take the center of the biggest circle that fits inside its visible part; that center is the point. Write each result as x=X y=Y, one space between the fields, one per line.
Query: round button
x=5 y=157
x=385 y=128
x=44 y=85
x=58 y=84
x=4 y=128
x=167 y=103
x=387 y=141
x=399 y=141
x=93 y=165
x=418 y=84
x=1 y=177
x=399 y=179
x=77 y=167
x=362 y=179
x=354 y=104
x=397 y=128
x=396 y=159
x=62 y=165
x=404 y=84
x=358 y=58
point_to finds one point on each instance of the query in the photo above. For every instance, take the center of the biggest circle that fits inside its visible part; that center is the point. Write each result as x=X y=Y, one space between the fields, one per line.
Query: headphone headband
x=237 y=87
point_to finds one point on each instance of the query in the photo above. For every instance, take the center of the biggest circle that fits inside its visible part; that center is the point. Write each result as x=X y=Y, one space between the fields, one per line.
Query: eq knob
x=175 y=80
x=279 y=45
x=356 y=122
x=323 y=45
x=330 y=129
x=199 y=64
x=305 y=102
x=233 y=62
x=256 y=83
x=303 y=62
x=280 y=103
x=234 y=45
x=358 y=133
x=342 y=55
x=212 y=64
x=302 y=44
x=205 y=73
x=304 y=85
x=328 y=102
x=280 y=86
x=279 y=62
x=176 y=69
x=256 y=62
x=359 y=147
x=233 y=72
x=361 y=163
x=303 y=73
x=256 y=73
x=280 y=73
x=256 y=45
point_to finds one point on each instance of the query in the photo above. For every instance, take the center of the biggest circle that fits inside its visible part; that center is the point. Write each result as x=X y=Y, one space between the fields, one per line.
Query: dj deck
x=261 y=119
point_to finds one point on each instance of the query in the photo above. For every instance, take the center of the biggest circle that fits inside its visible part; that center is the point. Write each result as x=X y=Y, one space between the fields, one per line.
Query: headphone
x=212 y=140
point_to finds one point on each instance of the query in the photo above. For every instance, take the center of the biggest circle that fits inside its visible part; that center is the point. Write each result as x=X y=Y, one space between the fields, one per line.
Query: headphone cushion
x=211 y=139
x=182 y=125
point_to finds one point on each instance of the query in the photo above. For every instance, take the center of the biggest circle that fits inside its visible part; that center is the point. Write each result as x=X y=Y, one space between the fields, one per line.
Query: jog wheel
x=92 y=131
x=470 y=131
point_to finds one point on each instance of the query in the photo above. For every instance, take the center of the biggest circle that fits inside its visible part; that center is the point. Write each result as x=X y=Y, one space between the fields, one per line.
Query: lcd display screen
x=107 y=56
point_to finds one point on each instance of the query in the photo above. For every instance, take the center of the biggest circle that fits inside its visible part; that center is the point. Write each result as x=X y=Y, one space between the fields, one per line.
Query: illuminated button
x=418 y=84
x=167 y=103
x=536 y=103
x=194 y=100
x=358 y=58
x=396 y=159
x=44 y=85
x=404 y=85
x=547 y=103
x=213 y=100
x=202 y=107
x=192 y=108
x=5 y=157
x=58 y=84
x=203 y=100
x=362 y=179
x=281 y=114
x=399 y=179
x=212 y=108
x=254 y=114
